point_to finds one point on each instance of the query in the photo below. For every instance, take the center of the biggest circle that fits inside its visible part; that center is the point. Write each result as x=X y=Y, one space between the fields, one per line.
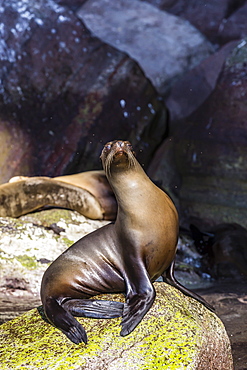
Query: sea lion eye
x=129 y=146
x=108 y=146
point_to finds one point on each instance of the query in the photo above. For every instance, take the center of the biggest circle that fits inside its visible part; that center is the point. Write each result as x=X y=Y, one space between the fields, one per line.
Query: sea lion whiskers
x=132 y=162
x=106 y=154
x=108 y=164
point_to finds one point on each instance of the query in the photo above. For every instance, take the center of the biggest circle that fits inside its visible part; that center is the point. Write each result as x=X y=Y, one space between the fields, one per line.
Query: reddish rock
x=16 y=152
x=211 y=149
x=64 y=93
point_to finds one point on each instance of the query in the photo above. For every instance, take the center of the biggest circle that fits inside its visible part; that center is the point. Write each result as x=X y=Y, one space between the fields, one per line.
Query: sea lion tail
x=169 y=278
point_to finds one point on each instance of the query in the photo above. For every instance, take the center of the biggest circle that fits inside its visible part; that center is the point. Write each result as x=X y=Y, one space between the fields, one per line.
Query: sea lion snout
x=115 y=151
x=123 y=147
x=119 y=148
x=120 y=144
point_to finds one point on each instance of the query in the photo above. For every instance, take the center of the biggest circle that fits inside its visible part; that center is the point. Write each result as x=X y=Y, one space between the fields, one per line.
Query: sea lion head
x=117 y=155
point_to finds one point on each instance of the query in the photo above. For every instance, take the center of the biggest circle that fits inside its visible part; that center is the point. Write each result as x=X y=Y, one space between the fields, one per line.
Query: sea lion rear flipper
x=96 y=309
x=139 y=300
x=169 y=278
x=64 y=321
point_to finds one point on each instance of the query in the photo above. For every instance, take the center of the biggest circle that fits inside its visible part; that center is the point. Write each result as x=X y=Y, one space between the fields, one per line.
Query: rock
x=191 y=90
x=207 y=149
x=27 y=246
x=224 y=250
x=234 y=27
x=16 y=151
x=72 y=4
x=205 y=16
x=229 y=300
x=165 y=46
x=211 y=150
x=162 y=4
x=65 y=93
x=190 y=267
x=177 y=332
x=163 y=169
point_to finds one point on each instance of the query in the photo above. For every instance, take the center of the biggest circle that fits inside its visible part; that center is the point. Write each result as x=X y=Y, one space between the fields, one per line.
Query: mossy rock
x=177 y=333
x=29 y=244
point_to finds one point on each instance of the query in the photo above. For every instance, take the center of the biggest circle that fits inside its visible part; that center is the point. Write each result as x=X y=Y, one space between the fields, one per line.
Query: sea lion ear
x=108 y=146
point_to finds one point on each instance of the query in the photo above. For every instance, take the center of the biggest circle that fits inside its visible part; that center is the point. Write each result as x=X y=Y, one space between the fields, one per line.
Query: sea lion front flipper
x=139 y=300
x=169 y=278
x=64 y=321
x=95 y=309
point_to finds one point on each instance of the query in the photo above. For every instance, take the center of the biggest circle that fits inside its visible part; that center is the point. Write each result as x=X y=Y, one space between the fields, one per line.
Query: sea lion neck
x=123 y=171
x=126 y=187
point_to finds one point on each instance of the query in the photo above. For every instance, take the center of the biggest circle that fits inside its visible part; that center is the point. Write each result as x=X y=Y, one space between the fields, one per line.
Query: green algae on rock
x=177 y=333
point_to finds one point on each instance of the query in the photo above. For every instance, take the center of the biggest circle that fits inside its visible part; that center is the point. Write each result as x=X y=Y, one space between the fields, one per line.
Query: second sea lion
x=21 y=197
x=88 y=193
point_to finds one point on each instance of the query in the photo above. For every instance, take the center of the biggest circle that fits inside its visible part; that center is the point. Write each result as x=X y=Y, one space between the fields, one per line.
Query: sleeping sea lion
x=121 y=257
x=21 y=197
x=88 y=193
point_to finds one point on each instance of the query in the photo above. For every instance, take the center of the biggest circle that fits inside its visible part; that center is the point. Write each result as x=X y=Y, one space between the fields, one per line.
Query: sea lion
x=121 y=257
x=21 y=197
x=14 y=201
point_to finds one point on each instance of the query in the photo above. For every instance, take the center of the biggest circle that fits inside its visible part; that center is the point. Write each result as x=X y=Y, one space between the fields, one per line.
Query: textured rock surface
x=177 y=332
x=210 y=17
x=27 y=246
x=234 y=27
x=211 y=149
x=64 y=94
x=186 y=95
x=165 y=46
x=230 y=300
x=205 y=16
x=190 y=91
x=203 y=164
